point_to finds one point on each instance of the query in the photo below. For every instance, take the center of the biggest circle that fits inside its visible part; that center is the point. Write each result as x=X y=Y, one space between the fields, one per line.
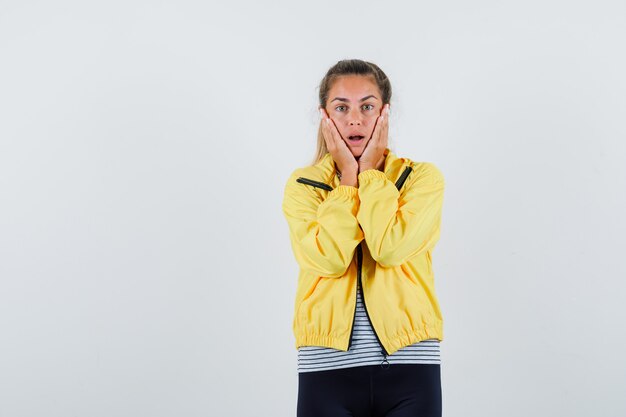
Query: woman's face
x=354 y=103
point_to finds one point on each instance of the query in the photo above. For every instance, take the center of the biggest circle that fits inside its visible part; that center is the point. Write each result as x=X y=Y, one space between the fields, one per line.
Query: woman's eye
x=365 y=107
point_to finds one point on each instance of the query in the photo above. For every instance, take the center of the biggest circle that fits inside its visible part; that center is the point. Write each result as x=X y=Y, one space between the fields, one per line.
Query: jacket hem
x=430 y=331
x=321 y=340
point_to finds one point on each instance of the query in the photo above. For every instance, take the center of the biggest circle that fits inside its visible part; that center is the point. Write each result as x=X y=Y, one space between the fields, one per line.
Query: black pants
x=401 y=390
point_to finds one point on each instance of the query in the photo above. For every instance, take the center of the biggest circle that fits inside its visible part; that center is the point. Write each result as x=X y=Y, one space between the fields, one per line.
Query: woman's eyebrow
x=346 y=100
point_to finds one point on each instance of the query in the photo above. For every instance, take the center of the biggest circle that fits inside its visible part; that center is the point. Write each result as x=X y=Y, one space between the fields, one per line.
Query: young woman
x=363 y=223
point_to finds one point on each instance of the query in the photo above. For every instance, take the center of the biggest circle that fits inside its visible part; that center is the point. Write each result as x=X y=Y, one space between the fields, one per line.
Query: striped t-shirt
x=365 y=349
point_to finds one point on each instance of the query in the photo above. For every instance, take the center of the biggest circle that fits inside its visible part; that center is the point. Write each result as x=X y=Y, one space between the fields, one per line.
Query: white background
x=145 y=266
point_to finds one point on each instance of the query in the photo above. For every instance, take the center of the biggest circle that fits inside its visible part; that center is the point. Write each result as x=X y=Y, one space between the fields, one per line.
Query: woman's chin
x=356 y=148
x=356 y=152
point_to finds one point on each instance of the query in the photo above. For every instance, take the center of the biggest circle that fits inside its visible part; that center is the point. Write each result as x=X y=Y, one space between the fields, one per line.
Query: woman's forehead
x=354 y=88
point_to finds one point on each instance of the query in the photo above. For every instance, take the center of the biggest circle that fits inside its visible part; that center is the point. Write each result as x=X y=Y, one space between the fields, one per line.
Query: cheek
x=342 y=133
x=372 y=119
x=340 y=128
x=371 y=123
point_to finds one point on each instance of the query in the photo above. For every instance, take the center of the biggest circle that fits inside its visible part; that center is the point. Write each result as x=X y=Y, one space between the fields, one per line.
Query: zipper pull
x=385 y=363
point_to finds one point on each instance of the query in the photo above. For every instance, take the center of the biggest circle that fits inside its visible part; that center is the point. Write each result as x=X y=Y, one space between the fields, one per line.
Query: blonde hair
x=348 y=67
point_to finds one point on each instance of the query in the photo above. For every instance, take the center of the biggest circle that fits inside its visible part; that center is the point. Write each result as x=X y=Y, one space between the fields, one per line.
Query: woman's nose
x=355 y=118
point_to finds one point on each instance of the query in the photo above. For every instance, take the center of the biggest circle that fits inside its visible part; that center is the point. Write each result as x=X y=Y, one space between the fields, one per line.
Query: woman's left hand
x=373 y=154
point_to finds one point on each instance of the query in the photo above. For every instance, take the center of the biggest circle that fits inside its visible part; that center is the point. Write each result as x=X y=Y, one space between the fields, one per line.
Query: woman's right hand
x=346 y=163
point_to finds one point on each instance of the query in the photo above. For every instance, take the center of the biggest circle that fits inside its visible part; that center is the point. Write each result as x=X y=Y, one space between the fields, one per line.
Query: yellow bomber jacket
x=381 y=233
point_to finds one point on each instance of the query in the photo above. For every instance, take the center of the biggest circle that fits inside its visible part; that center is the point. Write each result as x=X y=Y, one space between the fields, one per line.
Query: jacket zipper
x=355 y=296
x=359 y=254
x=402 y=178
x=385 y=363
x=314 y=183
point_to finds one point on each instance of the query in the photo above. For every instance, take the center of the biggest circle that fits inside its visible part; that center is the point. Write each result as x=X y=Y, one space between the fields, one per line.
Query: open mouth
x=355 y=138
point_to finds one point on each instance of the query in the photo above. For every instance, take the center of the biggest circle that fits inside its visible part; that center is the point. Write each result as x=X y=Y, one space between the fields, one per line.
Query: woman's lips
x=356 y=139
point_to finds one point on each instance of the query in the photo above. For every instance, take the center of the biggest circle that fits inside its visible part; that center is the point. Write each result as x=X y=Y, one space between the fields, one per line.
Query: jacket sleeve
x=324 y=232
x=400 y=224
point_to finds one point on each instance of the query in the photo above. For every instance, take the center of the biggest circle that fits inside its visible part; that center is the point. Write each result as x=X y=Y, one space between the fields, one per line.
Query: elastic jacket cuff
x=370 y=174
x=344 y=190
